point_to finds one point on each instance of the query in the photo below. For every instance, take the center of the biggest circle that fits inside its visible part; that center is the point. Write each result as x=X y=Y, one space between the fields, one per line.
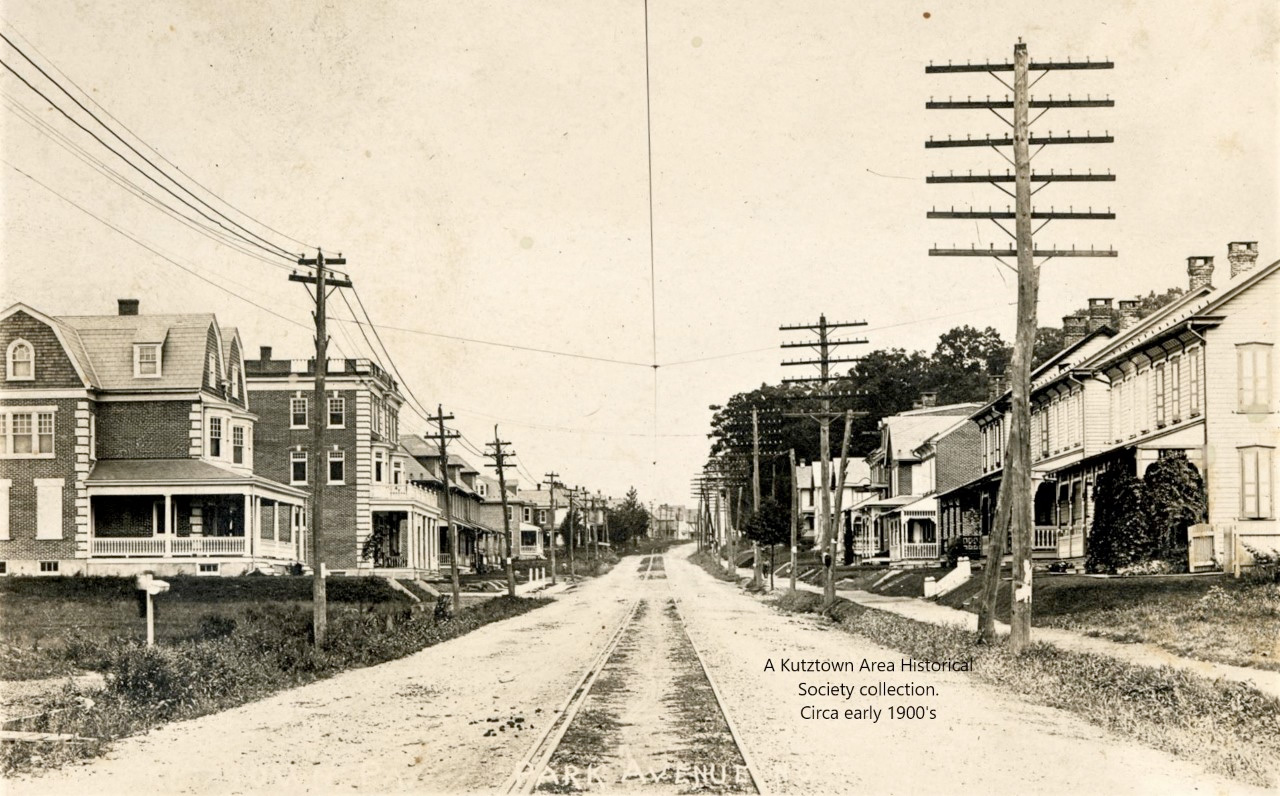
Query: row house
x=538 y=502
x=381 y=512
x=465 y=501
x=1194 y=377
x=128 y=443
x=526 y=536
x=857 y=490
x=902 y=515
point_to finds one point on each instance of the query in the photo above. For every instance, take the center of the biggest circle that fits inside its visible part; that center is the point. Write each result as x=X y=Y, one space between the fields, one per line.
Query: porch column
x=249 y=530
x=167 y=525
x=275 y=521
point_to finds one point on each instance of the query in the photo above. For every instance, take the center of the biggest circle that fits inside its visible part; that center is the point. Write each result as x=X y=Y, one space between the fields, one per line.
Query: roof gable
x=72 y=346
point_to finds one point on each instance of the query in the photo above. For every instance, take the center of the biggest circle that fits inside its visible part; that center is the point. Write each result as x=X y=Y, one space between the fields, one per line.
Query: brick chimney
x=1199 y=272
x=127 y=306
x=1242 y=255
x=1128 y=312
x=1099 y=313
x=264 y=352
x=1074 y=329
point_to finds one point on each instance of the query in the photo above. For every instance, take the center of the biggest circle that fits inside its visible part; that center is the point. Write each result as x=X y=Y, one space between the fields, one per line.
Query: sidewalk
x=923 y=610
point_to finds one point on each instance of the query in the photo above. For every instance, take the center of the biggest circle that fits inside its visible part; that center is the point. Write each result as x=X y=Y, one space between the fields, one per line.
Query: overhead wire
x=269 y=245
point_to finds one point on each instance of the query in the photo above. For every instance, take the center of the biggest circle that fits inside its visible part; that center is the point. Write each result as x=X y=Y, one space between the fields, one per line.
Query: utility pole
x=319 y=416
x=442 y=438
x=500 y=463
x=551 y=486
x=588 y=521
x=824 y=346
x=755 y=493
x=795 y=518
x=573 y=531
x=1015 y=506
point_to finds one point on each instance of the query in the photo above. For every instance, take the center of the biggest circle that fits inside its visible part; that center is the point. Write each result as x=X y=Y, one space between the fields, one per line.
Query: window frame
x=36 y=436
x=293 y=412
x=14 y=347
x=215 y=436
x=1253 y=394
x=1261 y=505
x=239 y=445
x=295 y=458
x=138 y=349
x=338 y=457
x=341 y=403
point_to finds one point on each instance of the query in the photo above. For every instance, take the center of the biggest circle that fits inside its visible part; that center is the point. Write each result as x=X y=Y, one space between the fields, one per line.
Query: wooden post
x=795 y=517
x=551 y=486
x=755 y=493
x=829 y=591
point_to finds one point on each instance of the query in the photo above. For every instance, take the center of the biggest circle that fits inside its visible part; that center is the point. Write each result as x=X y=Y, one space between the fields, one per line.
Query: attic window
x=146 y=361
x=21 y=361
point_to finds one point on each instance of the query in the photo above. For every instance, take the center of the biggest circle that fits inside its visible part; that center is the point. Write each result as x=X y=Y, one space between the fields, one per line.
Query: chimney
x=264 y=353
x=1242 y=255
x=1128 y=313
x=927 y=399
x=1099 y=313
x=1074 y=329
x=1199 y=272
x=996 y=386
x=127 y=306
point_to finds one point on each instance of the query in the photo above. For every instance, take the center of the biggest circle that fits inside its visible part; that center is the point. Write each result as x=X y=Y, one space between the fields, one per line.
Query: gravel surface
x=1038 y=750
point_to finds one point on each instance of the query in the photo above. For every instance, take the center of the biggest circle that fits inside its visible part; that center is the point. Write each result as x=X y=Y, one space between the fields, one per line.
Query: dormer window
x=146 y=361
x=21 y=361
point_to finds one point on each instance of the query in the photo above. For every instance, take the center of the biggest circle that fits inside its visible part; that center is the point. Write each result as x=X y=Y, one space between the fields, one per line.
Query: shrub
x=1174 y=498
x=1120 y=526
x=213 y=626
x=1266 y=566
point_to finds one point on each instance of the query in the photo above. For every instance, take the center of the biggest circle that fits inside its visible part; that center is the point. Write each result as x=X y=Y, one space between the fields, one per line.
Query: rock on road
x=419 y=724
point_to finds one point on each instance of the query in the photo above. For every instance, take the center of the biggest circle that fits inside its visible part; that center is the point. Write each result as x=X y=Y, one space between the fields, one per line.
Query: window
x=337 y=412
x=48 y=508
x=146 y=361
x=337 y=467
x=379 y=465
x=1253 y=377
x=49 y=566
x=209 y=569
x=1256 y=492
x=297 y=413
x=1175 y=389
x=237 y=444
x=213 y=371
x=542 y=516
x=298 y=467
x=27 y=434
x=21 y=361
x=1044 y=433
x=1160 y=396
x=1193 y=379
x=235 y=381
x=528 y=513
x=484 y=489
x=215 y=437
x=5 y=483
x=397 y=472
x=4 y=567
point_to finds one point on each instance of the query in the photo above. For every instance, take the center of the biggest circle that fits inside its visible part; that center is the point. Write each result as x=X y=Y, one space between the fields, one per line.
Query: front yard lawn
x=1210 y=617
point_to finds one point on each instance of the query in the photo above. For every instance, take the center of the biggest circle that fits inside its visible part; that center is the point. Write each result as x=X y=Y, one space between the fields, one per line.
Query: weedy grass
x=231 y=662
x=1226 y=726
x=711 y=564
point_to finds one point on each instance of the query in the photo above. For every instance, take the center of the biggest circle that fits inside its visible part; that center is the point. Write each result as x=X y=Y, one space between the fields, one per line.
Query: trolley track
x=652 y=676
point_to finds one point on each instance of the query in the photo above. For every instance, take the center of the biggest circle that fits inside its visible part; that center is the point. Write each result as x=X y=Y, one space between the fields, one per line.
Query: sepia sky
x=482 y=165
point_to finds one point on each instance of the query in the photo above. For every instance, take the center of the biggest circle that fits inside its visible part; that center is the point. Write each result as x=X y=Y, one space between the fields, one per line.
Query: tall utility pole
x=319 y=416
x=500 y=454
x=1015 y=503
x=590 y=527
x=755 y=492
x=573 y=530
x=551 y=487
x=795 y=518
x=442 y=437
x=824 y=346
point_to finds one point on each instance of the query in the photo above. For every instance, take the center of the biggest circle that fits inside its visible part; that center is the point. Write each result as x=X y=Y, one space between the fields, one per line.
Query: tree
x=628 y=521
x=769 y=527
x=964 y=363
x=1120 y=534
x=1173 y=492
x=1048 y=343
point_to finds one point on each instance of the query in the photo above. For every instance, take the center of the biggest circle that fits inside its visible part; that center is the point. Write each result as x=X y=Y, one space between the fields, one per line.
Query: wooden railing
x=135 y=546
x=1046 y=538
x=165 y=547
x=919 y=550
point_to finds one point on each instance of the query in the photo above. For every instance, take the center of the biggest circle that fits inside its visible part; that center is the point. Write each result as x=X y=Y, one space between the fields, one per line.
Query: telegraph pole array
x=551 y=487
x=824 y=346
x=733 y=423
x=1014 y=512
x=500 y=455
x=323 y=282
x=442 y=437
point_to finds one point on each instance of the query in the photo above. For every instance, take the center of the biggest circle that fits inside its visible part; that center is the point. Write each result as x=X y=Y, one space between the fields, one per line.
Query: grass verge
x=234 y=663
x=1225 y=726
x=711 y=564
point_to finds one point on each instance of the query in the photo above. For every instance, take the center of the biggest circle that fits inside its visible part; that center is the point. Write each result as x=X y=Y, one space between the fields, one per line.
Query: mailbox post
x=148 y=584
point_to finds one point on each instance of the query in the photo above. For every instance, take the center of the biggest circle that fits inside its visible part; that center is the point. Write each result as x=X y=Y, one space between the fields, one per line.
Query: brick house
x=1194 y=377
x=526 y=538
x=465 y=501
x=127 y=444
x=538 y=501
x=857 y=481
x=381 y=514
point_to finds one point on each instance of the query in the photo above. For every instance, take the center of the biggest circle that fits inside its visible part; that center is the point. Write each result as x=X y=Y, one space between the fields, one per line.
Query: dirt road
x=460 y=716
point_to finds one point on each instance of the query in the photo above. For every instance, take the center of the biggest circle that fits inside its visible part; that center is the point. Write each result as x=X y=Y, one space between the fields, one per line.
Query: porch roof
x=179 y=473
x=924 y=507
x=888 y=502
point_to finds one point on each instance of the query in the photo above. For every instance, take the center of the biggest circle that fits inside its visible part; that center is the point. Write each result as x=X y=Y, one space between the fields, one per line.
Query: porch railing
x=209 y=546
x=141 y=546
x=1046 y=538
x=919 y=550
x=161 y=546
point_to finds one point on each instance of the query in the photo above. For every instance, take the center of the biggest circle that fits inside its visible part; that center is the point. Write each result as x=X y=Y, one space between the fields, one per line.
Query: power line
x=156 y=252
x=131 y=147
x=139 y=138
x=135 y=166
x=42 y=127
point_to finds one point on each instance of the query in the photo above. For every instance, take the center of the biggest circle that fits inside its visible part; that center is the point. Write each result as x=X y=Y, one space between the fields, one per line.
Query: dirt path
x=1042 y=750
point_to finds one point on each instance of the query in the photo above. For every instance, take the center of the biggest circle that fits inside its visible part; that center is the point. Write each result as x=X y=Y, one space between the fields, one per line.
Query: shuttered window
x=1257 y=493
x=1253 y=377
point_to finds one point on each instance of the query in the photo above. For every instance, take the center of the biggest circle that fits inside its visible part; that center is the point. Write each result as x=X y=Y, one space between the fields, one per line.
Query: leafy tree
x=769 y=527
x=628 y=522
x=1120 y=534
x=1048 y=343
x=964 y=363
x=1174 y=495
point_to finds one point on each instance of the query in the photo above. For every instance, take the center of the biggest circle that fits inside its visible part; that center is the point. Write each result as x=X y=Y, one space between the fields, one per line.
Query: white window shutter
x=49 y=508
